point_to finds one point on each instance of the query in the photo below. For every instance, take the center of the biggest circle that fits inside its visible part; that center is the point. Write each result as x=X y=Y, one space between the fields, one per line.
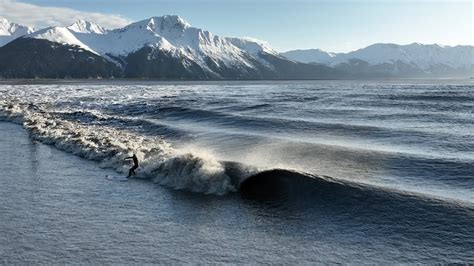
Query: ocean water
x=295 y=171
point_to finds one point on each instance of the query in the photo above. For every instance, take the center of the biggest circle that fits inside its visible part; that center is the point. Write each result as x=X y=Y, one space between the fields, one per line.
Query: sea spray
x=110 y=146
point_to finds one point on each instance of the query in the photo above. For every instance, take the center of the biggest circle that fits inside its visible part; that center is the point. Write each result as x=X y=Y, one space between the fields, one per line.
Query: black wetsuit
x=135 y=165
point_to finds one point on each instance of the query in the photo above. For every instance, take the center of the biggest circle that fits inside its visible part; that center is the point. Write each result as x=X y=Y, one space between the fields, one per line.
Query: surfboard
x=116 y=178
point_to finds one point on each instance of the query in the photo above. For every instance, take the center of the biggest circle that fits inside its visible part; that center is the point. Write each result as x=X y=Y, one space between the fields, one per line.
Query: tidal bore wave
x=159 y=161
x=104 y=137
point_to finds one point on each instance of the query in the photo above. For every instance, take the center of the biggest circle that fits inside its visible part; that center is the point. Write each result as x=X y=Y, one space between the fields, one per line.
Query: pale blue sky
x=285 y=24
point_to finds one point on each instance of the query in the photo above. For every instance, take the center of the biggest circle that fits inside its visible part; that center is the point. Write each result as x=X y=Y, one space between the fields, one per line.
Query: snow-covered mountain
x=166 y=47
x=311 y=56
x=424 y=56
x=394 y=59
x=10 y=31
x=82 y=26
x=170 y=34
x=60 y=35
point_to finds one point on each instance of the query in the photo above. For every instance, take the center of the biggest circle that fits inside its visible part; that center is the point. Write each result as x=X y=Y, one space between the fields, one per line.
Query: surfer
x=135 y=165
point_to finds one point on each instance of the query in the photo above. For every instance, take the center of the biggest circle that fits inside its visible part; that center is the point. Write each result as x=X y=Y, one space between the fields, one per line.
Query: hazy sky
x=330 y=25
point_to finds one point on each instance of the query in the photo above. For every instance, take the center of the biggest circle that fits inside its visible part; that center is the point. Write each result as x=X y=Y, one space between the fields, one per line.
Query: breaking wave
x=108 y=124
x=109 y=146
x=95 y=136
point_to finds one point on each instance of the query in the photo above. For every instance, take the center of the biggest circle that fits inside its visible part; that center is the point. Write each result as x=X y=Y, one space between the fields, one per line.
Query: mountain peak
x=10 y=31
x=164 y=23
x=83 y=26
x=173 y=20
x=4 y=26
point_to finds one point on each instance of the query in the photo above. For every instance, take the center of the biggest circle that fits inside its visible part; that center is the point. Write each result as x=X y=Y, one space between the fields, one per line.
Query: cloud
x=43 y=16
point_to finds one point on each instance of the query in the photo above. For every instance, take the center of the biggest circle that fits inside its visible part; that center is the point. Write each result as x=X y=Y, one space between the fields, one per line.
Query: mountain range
x=168 y=47
x=393 y=60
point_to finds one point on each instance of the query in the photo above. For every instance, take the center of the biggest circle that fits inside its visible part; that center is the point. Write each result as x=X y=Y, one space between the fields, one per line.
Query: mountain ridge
x=165 y=47
x=391 y=59
x=10 y=31
x=157 y=46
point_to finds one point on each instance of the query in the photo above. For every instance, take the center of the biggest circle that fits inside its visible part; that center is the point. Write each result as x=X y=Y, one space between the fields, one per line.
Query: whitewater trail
x=109 y=146
x=213 y=138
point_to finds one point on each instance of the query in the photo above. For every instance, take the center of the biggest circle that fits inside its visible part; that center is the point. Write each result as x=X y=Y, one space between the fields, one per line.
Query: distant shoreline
x=15 y=81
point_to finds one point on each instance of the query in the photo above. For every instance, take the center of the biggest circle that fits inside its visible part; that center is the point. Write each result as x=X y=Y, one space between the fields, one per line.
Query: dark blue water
x=307 y=171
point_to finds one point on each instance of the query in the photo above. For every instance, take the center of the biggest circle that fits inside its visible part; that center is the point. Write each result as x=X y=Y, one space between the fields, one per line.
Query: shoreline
x=98 y=81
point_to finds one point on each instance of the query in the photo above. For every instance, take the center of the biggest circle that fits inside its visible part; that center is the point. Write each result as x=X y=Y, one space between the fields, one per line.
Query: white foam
x=110 y=146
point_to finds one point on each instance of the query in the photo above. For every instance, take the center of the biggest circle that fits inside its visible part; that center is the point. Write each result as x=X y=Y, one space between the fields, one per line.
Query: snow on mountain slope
x=83 y=26
x=424 y=56
x=252 y=45
x=121 y=42
x=420 y=55
x=174 y=34
x=59 y=35
x=10 y=31
x=171 y=34
x=311 y=56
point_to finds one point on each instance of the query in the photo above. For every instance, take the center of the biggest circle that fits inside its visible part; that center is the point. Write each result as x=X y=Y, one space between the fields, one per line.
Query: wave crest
x=110 y=146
